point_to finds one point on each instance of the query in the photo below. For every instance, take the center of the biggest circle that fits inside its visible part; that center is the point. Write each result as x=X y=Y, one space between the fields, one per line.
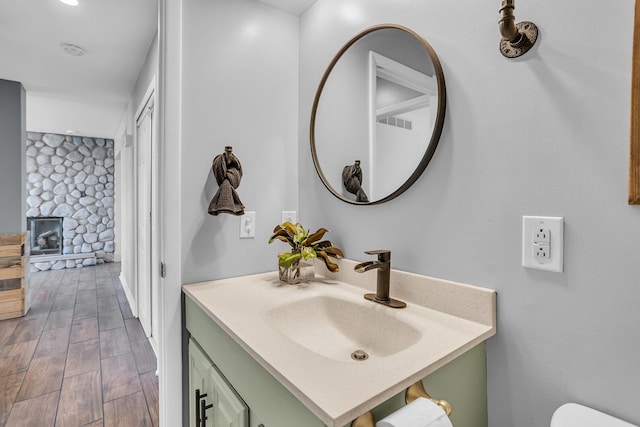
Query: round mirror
x=377 y=115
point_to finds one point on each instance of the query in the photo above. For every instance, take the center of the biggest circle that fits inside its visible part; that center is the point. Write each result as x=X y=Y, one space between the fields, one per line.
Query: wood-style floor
x=79 y=357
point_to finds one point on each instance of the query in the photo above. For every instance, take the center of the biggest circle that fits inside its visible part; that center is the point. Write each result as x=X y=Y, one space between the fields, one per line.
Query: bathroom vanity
x=271 y=354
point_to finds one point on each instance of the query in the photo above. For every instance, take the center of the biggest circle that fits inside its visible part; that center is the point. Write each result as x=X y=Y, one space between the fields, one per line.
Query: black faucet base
x=393 y=303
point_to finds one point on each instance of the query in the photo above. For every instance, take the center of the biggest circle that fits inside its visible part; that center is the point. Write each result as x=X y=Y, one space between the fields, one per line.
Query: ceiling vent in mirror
x=72 y=49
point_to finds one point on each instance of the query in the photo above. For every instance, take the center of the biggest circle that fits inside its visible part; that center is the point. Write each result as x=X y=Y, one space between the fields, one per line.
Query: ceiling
x=88 y=94
x=116 y=35
x=294 y=7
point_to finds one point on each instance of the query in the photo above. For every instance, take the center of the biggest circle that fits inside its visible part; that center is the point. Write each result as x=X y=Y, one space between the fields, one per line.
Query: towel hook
x=518 y=38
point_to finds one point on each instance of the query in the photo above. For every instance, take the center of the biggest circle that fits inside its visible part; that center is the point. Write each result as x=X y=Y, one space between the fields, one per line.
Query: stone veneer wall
x=72 y=177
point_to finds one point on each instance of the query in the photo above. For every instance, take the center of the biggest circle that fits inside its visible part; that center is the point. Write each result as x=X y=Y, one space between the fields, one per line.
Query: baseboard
x=130 y=299
x=154 y=345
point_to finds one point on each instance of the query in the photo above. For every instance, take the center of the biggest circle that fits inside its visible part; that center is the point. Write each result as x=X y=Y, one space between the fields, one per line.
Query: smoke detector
x=72 y=49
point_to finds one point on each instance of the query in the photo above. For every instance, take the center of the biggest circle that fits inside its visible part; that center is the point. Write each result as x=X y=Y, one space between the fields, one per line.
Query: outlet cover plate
x=289 y=216
x=554 y=230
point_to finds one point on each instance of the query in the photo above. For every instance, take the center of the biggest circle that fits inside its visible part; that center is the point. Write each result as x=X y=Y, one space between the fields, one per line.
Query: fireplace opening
x=46 y=235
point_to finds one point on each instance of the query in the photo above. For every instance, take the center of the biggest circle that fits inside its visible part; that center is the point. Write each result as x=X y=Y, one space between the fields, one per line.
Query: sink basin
x=334 y=327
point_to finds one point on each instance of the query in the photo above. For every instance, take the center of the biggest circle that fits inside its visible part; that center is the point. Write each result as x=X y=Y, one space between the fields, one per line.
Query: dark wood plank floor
x=78 y=358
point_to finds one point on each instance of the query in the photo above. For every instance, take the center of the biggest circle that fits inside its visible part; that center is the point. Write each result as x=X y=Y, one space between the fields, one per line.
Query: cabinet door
x=208 y=388
x=199 y=367
x=254 y=421
x=228 y=409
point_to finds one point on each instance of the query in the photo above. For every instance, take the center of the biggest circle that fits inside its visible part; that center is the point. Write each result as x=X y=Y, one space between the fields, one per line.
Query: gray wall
x=239 y=89
x=546 y=134
x=229 y=73
x=12 y=157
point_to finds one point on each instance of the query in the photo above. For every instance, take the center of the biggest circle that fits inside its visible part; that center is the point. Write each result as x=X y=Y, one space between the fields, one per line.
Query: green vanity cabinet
x=211 y=351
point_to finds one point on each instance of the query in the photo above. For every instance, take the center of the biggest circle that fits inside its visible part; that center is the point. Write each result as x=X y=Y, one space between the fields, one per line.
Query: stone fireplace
x=70 y=179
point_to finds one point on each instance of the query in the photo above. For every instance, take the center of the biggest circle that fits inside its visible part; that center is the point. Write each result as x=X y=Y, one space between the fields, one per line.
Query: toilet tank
x=574 y=415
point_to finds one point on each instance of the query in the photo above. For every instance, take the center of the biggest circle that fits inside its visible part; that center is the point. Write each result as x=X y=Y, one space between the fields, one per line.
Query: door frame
x=149 y=101
x=170 y=126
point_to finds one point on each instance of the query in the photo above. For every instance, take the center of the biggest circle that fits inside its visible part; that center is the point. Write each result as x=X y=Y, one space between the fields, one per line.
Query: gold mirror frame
x=634 y=140
x=437 y=130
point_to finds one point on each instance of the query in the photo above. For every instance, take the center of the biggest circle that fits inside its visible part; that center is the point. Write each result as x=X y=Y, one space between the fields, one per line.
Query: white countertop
x=451 y=318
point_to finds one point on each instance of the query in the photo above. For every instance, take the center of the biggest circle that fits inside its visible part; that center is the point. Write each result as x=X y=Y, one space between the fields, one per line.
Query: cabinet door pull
x=203 y=411
x=199 y=398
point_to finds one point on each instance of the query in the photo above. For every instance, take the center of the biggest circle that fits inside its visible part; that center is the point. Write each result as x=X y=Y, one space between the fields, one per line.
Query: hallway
x=79 y=357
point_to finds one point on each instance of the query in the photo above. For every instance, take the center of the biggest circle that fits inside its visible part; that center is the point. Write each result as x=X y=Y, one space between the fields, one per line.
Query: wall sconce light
x=518 y=38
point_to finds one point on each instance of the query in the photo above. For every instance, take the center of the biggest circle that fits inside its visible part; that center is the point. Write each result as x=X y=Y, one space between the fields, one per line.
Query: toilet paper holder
x=417 y=390
x=413 y=392
x=364 y=420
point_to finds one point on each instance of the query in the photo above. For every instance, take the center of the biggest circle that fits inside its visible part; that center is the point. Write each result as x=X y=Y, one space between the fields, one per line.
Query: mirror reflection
x=377 y=115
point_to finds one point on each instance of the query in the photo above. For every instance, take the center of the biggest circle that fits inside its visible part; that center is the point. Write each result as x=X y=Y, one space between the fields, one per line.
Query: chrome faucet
x=383 y=265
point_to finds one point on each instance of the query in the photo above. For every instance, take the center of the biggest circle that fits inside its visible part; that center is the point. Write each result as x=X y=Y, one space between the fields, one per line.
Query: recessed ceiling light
x=72 y=49
x=70 y=2
x=71 y=131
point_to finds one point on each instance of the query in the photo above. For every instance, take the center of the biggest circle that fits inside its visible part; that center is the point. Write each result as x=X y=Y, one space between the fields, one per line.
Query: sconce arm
x=507 y=22
x=517 y=39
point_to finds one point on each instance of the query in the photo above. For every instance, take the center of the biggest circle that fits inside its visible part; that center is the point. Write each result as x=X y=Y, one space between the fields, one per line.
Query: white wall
x=147 y=74
x=546 y=134
x=125 y=218
x=117 y=177
x=53 y=115
x=125 y=166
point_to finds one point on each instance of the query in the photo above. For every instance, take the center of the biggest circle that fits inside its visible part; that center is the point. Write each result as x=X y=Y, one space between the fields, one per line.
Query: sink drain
x=359 y=355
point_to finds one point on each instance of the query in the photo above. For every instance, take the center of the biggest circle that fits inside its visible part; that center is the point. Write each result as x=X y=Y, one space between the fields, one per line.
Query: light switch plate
x=543 y=243
x=248 y=225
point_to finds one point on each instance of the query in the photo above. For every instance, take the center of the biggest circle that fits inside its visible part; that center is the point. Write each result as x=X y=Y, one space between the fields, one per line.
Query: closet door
x=144 y=216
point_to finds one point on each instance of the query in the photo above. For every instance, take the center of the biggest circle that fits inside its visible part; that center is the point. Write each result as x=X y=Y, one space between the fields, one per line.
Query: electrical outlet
x=541 y=236
x=248 y=225
x=542 y=253
x=543 y=243
x=289 y=216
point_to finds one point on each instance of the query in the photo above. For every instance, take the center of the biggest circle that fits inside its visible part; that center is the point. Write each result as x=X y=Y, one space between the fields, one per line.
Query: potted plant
x=304 y=246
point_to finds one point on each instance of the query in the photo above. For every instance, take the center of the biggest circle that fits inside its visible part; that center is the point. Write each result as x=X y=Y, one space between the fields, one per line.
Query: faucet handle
x=384 y=255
